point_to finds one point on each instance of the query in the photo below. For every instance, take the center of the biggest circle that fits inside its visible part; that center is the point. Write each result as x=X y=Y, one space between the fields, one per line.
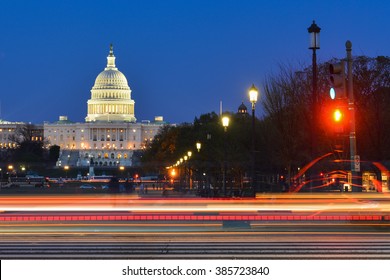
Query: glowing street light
x=66 y=168
x=253 y=93
x=225 y=122
x=198 y=146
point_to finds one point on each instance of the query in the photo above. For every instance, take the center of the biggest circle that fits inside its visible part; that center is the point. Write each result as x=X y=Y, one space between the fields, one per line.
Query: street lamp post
x=189 y=154
x=198 y=169
x=314 y=34
x=121 y=171
x=173 y=175
x=185 y=172
x=253 y=94
x=10 y=172
x=225 y=124
x=66 y=168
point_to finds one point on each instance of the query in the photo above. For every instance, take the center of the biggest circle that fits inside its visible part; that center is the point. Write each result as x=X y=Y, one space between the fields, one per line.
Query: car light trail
x=269 y=207
x=278 y=202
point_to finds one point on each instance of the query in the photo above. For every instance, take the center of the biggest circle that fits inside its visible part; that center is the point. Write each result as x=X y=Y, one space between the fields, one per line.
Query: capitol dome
x=110 y=96
x=111 y=78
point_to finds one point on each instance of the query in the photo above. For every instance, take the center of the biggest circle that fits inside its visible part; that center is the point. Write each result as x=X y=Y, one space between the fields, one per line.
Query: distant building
x=8 y=131
x=110 y=134
x=242 y=109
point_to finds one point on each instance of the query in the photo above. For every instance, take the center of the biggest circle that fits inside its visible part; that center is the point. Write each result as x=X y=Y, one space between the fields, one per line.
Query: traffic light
x=338 y=115
x=337 y=79
x=340 y=118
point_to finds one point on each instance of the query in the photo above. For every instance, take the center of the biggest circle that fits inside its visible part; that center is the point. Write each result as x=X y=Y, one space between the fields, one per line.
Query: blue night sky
x=181 y=58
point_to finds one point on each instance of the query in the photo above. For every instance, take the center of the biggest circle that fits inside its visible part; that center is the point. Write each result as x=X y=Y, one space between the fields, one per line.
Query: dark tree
x=54 y=153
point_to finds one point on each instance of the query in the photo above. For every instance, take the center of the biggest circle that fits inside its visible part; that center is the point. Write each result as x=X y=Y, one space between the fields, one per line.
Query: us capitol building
x=110 y=134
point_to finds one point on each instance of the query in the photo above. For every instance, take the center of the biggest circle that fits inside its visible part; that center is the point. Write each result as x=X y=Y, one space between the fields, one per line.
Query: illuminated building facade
x=8 y=131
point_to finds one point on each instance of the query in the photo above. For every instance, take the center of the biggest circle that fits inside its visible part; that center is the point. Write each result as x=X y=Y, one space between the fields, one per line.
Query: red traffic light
x=338 y=115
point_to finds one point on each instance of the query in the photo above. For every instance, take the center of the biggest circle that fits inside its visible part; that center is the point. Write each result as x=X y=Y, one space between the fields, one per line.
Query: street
x=90 y=226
